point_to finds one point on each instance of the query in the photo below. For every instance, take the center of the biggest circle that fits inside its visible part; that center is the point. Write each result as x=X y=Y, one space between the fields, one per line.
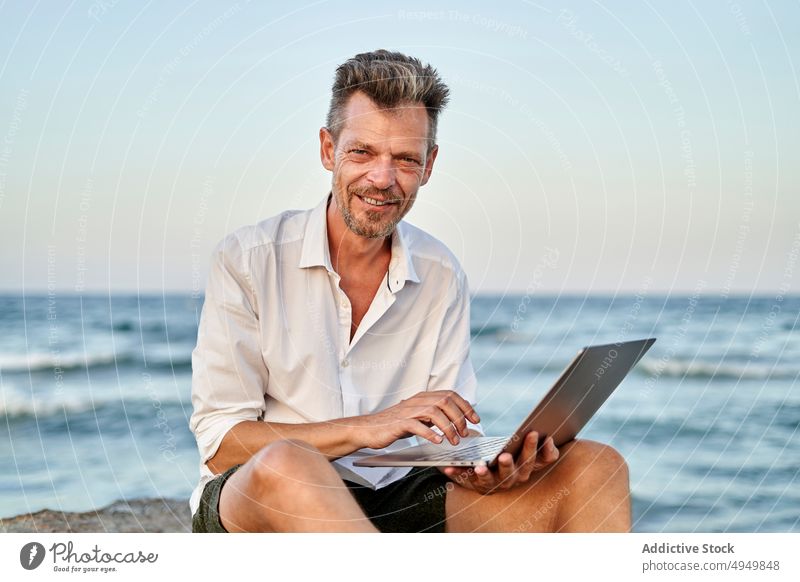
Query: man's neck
x=351 y=252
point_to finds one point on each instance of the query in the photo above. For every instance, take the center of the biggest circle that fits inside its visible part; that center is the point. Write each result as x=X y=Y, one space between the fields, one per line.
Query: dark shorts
x=415 y=503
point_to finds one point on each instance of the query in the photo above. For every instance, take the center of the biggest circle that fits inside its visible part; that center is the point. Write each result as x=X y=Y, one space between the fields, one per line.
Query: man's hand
x=508 y=473
x=444 y=409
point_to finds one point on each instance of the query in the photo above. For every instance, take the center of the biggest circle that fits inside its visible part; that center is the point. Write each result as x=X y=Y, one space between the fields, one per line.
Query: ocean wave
x=15 y=404
x=521 y=368
x=181 y=362
x=158 y=359
x=131 y=325
x=122 y=326
x=488 y=330
x=502 y=334
x=37 y=361
x=723 y=370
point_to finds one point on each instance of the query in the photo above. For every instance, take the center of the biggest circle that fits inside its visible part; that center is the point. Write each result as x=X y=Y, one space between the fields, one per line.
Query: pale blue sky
x=651 y=144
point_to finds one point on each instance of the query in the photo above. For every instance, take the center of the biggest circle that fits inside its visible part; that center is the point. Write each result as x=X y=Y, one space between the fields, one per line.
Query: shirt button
x=345 y=363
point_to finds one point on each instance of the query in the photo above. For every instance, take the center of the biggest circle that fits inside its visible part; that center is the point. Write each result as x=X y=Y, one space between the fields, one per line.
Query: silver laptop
x=578 y=393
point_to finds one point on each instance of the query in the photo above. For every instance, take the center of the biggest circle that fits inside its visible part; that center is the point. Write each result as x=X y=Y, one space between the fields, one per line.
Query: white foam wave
x=17 y=403
x=34 y=361
x=702 y=369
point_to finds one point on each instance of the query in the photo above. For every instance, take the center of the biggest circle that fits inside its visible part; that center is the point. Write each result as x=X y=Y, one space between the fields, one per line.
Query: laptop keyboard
x=487 y=447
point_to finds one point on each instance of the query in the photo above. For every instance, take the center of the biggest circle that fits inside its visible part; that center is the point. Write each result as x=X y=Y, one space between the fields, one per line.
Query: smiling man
x=328 y=333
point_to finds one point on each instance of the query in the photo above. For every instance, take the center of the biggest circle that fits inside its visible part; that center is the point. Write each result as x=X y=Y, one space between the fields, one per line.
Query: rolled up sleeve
x=229 y=375
x=452 y=368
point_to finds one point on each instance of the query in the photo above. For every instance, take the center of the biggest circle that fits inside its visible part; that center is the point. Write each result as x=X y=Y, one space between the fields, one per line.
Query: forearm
x=335 y=438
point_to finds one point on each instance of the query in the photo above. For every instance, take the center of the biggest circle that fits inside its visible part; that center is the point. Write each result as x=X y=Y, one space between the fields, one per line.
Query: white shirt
x=274 y=337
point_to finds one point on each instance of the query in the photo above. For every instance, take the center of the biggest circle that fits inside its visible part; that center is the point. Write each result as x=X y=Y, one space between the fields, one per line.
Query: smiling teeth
x=375 y=202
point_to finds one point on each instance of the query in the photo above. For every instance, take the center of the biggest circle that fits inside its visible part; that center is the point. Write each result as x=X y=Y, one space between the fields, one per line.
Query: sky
x=588 y=147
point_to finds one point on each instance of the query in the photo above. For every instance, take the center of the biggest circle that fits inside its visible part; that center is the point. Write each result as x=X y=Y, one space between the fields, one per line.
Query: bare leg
x=289 y=486
x=586 y=490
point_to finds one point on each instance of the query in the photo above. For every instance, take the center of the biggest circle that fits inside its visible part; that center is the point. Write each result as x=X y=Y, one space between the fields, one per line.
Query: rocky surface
x=137 y=515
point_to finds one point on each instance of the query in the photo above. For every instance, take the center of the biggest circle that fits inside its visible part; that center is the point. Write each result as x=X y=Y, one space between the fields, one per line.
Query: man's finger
x=451 y=472
x=526 y=460
x=466 y=408
x=483 y=478
x=549 y=453
x=458 y=475
x=505 y=471
x=440 y=419
x=419 y=429
x=455 y=414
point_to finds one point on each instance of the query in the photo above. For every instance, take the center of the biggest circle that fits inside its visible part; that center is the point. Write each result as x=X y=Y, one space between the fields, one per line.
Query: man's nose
x=381 y=175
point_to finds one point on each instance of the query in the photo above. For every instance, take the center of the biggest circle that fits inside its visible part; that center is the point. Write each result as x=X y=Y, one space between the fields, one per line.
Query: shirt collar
x=315 y=252
x=401 y=267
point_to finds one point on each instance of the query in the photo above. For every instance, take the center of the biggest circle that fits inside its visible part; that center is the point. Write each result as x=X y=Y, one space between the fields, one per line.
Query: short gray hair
x=389 y=79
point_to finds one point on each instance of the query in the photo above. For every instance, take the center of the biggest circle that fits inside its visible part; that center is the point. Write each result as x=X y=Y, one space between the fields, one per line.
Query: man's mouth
x=376 y=202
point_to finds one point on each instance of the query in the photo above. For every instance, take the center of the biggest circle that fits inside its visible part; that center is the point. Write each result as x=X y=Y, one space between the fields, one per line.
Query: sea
x=95 y=398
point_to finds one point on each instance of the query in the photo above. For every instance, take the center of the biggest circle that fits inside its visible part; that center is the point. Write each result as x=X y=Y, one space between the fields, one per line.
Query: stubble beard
x=376 y=224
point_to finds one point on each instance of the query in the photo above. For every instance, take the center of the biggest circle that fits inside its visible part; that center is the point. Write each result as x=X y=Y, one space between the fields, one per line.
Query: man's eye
x=358 y=152
x=411 y=161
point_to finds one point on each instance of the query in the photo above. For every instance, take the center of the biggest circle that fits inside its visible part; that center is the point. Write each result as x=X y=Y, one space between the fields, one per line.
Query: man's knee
x=282 y=462
x=594 y=461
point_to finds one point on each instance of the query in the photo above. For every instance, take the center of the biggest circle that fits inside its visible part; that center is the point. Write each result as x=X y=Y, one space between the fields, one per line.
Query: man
x=341 y=328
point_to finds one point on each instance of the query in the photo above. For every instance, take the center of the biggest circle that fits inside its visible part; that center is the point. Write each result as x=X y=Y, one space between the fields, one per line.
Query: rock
x=136 y=515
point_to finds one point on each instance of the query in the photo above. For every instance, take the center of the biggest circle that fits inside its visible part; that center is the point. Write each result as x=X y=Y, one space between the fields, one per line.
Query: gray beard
x=360 y=229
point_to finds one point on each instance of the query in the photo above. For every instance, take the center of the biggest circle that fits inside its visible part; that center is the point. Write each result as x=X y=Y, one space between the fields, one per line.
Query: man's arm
x=336 y=438
x=228 y=371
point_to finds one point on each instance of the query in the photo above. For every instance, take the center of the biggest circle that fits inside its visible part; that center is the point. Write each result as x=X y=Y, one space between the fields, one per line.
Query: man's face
x=379 y=162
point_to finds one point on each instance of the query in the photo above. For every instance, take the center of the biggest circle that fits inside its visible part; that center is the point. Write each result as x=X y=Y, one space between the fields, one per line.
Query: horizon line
x=39 y=292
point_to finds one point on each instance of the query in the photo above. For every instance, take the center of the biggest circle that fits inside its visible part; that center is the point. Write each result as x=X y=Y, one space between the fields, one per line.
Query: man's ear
x=327 y=149
x=426 y=174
